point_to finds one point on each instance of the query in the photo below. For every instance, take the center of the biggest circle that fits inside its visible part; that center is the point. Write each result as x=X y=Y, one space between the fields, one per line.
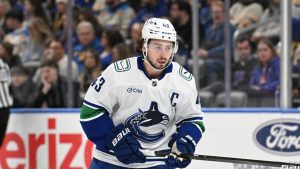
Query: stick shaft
x=228 y=159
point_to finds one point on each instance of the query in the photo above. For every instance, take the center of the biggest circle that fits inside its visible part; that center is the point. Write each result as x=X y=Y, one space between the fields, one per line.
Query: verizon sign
x=43 y=141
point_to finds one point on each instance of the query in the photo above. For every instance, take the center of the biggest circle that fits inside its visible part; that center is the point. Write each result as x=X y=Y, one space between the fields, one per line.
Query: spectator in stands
x=244 y=66
x=61 y=9
x=181 y=18
x=17 y=4
x=205 y=14
x=60 y=57
x=32 y=49
x=14 y=21
x=53 y=91
x=152 y=8
x=92 y=69
x=6 y=53
x=55 y=51
x=22 y=87
x=50 y=7
x=244 y=13
x=174 y=12
x=296 y=9
x=135 y=33
x=98 y=6
x=120 y=51
x=296 y=88
x=63 y=33
x=296 y=21
x=4 y=8
x=241 y=74
x=117 y=15
x=212 y=50
x=109 y=39
x=270 y=30
x=86 y=14
x=33 y=9
x=296 y=52
x=265 y=79
x=86 y=36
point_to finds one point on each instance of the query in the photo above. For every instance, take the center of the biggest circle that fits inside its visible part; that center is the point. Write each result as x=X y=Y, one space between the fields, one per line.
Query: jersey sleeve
x=97 y=105
x=189 y=115
x=102 y=92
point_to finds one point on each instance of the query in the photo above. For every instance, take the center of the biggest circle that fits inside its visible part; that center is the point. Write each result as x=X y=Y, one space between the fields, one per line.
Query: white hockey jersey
x=151 y=108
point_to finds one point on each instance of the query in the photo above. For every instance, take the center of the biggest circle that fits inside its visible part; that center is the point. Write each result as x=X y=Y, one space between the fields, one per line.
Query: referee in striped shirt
x=6 y=100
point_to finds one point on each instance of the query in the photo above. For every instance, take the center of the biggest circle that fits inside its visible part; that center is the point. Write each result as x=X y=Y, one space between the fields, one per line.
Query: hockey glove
x=173 y=159
x=125 y=146
x=183 y=143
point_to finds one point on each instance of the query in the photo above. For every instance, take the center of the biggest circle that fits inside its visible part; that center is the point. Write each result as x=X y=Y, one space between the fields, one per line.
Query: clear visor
x=159 y=48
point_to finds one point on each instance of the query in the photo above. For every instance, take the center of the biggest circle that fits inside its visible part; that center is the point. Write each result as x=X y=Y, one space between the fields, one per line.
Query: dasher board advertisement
x=53 y=138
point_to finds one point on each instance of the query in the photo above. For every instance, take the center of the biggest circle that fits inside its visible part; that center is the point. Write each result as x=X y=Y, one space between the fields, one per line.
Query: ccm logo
x=134 y=90
x=120 y=136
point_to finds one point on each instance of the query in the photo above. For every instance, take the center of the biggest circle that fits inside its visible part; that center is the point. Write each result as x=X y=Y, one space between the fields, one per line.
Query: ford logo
x=280 y=136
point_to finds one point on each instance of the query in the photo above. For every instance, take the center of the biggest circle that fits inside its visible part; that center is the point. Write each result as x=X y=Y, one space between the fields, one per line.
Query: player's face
x=160 y=52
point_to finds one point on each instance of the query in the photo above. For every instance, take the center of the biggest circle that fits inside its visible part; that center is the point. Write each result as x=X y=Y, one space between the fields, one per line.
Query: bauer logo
x=279 y=136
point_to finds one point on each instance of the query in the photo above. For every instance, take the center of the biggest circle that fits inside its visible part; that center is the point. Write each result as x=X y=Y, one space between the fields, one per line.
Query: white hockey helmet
x=162 y=29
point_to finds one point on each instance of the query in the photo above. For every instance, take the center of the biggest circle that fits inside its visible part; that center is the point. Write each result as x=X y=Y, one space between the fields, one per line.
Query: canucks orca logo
x=147 y=119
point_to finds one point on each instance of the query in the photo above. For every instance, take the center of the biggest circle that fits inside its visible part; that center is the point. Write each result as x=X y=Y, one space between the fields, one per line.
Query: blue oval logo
x=279 y=136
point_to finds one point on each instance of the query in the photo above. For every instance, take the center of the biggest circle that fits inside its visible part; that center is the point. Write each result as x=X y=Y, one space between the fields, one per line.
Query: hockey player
x=144 y=103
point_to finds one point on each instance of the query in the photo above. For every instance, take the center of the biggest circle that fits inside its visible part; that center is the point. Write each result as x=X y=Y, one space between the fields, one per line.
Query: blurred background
x=244 y=55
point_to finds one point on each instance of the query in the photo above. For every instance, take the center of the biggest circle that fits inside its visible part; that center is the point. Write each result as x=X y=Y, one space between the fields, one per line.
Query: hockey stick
x=165 y=153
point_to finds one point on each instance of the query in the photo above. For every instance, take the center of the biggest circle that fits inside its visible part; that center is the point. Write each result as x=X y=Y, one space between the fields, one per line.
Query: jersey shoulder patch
x=122 y=65
x=185 y=74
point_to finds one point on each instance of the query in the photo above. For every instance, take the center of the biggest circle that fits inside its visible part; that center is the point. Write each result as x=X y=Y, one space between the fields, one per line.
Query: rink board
x=53 y=138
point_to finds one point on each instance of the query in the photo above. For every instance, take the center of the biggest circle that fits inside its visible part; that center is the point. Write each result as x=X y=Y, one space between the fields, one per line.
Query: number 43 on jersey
x=97 y=84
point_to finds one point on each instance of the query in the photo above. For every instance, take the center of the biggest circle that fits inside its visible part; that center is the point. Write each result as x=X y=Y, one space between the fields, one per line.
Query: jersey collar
x=140 y=63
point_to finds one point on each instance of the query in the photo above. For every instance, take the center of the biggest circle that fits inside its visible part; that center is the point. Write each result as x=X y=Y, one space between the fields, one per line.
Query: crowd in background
x=34 y=38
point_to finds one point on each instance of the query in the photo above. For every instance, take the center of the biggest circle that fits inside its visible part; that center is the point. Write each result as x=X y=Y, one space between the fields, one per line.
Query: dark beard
x=167 y=64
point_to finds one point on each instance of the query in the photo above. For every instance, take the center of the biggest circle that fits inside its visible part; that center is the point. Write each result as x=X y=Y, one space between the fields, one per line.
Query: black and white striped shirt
x=6 y=99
